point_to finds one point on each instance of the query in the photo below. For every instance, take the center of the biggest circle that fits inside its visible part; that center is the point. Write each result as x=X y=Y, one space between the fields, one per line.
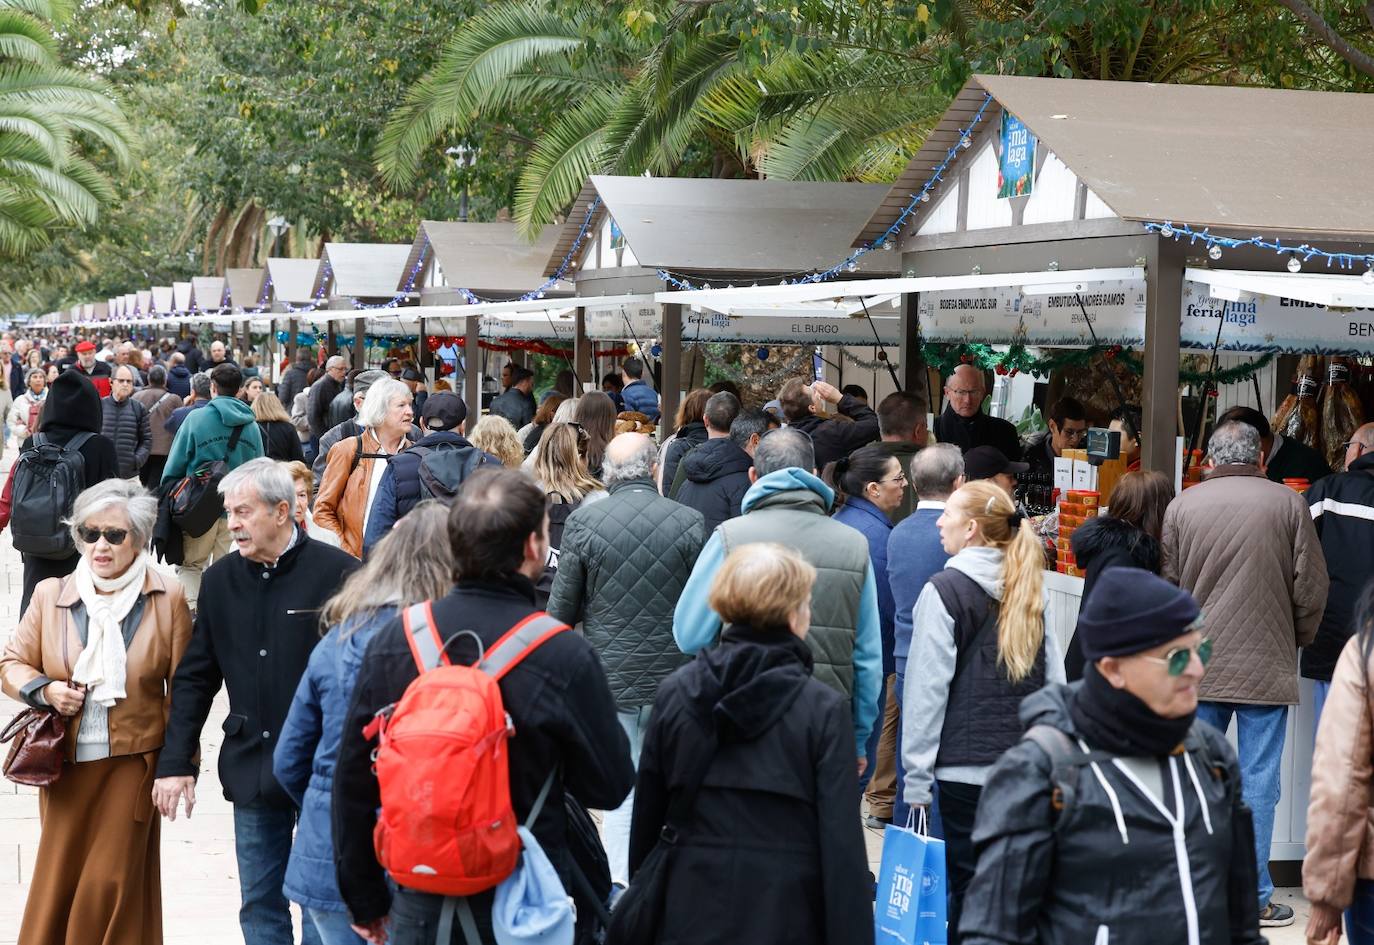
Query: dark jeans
x=1359 y=918
x=262 y=843
x=871 y=747
x=415 y=919
x=958 y=810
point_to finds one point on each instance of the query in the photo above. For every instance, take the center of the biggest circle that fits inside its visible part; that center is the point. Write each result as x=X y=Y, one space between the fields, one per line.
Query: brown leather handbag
x=39 y=737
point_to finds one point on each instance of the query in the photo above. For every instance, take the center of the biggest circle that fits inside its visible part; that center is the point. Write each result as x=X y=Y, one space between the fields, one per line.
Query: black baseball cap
x=443 y=411
x=984 y=462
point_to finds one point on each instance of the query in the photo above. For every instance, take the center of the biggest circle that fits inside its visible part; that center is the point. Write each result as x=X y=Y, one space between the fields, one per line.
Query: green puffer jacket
x=621 y=568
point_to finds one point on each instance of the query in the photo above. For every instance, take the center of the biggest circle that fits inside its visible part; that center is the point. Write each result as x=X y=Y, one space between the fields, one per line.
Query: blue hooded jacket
x=306 y=752
x=696 y=626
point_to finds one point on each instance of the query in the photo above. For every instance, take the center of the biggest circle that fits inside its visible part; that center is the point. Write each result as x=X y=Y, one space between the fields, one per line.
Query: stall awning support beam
x=911 y=367
x=331 y=338
x=670 y=394
x=472 y=379
x=292 y=327
x=1159 y=392
x=359 y=343
x=582 y=353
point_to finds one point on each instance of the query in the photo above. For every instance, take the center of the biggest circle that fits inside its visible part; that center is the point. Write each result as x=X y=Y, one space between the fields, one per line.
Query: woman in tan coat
x=355 y=465
x=100 y=647
x=1338 y=873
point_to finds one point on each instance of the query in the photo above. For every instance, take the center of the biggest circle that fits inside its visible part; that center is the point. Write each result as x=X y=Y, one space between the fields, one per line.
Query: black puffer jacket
x=1343 y=511
x=127 y=426
x=1040 y=871
x=717 y=474
x=1106 y=542
x=772 y=842
x=622 y=566
x=280 y=442
x=684 y=443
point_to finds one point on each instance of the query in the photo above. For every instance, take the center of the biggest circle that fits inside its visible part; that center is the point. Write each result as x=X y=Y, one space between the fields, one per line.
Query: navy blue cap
x=1131 y=611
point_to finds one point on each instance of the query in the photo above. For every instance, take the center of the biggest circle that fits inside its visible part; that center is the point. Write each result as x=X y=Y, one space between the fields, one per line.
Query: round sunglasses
x=1179 y=657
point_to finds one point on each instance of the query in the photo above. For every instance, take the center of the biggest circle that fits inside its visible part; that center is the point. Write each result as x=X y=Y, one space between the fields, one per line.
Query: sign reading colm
x=1016 y=160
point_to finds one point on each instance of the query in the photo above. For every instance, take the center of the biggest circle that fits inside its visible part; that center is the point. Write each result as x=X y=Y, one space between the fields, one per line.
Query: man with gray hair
x=790 y=505
x=1247 y=550
x=623 y=563
x=200 y=395
x=914 y=555
x=254 y=633
x=322 y=394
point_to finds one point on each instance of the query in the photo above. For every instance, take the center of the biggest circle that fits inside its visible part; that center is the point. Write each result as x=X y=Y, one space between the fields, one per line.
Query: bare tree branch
x=1358 y=58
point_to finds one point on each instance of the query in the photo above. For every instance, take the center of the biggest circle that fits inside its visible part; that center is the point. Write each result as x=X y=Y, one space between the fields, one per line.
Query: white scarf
x=101 y=665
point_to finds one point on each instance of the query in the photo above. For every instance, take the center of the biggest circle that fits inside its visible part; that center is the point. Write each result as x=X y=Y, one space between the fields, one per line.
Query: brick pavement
x=199 y=872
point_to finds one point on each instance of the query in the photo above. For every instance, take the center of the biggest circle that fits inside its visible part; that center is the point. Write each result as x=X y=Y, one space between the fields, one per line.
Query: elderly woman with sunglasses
x=1118 y=817
x=99 y=647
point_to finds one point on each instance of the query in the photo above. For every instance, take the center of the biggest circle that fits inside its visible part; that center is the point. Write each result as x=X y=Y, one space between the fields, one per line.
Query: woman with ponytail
x=981 y=644
x=869 y=485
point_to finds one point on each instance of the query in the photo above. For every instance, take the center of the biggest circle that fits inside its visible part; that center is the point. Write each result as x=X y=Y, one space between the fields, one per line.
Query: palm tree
x=53 y=120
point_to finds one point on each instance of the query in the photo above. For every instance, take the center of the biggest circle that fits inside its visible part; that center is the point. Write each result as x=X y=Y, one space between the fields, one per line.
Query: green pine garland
x=1017 y=360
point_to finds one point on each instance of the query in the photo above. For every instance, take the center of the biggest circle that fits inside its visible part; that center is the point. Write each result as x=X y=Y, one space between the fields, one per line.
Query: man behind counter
x=963 y=422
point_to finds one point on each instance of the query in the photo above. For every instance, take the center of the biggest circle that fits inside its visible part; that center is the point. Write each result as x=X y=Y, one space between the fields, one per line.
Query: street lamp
x=276 y=226
x=465 y=158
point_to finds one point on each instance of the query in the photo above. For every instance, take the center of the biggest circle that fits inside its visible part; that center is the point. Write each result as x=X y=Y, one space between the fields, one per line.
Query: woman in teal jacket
x=411 y=564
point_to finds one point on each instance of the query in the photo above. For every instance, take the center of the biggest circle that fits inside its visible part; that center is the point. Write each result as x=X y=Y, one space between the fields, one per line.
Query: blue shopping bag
x=911 y=907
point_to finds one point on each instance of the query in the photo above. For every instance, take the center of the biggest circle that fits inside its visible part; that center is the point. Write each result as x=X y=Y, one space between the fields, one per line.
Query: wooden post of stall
x=359 y=343
x=472 y=379
x=331 y=338
x=582 y=353
x=292 y=326
x=426 y=357
x=1159 y=392
x=911 y=367
x=671 y=394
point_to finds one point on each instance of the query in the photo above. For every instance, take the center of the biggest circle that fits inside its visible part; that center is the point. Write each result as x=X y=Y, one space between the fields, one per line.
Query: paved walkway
x=199 y=872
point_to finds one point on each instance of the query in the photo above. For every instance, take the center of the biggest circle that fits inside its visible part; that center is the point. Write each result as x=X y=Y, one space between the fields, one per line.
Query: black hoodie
x=772 y=844
x=717 y=474
x=71 y=407
x=1106 y=542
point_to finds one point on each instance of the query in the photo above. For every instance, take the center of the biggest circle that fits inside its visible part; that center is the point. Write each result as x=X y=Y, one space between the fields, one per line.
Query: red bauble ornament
x=1000 y=370
x=1013 y=372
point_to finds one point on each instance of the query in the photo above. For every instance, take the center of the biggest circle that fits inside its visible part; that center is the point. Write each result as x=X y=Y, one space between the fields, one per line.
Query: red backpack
x=446 y=824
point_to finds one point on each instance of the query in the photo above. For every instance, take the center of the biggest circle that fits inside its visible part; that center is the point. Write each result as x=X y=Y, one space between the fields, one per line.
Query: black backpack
x=195 y=501
x=558 y=521
x=47 y=480
x=444 y=467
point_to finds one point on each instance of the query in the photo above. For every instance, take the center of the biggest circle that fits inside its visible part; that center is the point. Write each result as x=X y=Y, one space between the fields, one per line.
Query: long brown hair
x=693 y=408
x=1021 y=618
x=559 y=468
x=268 y=408
x=596 y=414
x=1141 y=498
x=413 y=562
x=547 y=408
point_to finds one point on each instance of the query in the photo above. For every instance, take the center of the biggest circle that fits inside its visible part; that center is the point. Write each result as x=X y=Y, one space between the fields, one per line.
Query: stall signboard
x=624 y=322
x=1263 y=323
x=1002 y=315
x=800 y=329
x=1016 y=159
x=527 y=327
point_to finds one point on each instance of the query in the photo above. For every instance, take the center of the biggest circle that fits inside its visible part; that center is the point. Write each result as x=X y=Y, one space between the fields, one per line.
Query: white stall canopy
x=181 y=296
x=164 y=300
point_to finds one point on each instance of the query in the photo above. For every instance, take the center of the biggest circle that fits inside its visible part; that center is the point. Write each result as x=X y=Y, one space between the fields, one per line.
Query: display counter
x=1065 y=593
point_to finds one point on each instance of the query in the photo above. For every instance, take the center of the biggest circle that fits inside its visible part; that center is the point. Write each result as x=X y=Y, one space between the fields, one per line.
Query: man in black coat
x=293 y=380
x=126 y=423
x=322 y=394
x=801 y=406
x=557 y=698
x=716 y=474
x=517 y=403
x=256 y=622
x=963 y=422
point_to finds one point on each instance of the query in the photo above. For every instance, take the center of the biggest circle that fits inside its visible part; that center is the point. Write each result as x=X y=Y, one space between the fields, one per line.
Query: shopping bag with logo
x=910 y=907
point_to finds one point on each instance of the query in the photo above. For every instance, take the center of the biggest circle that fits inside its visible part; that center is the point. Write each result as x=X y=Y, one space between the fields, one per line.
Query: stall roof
x=1249 y=159
x=479 y=256
x=729 y=225
x=292 y=280
x=361 y=270
x=163 y=299
x=247 y=287
x=207 y=292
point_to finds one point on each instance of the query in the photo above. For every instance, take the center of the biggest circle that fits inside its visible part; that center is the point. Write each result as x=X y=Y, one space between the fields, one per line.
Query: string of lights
x=1297 y=253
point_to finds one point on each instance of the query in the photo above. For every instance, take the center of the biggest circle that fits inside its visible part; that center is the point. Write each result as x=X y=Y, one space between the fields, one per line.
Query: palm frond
x=569 y=151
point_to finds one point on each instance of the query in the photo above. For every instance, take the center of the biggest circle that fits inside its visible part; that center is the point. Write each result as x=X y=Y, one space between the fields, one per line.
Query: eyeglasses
x=1073 y=434
x=114 y=536
x=1179 y=657
x=900 y=477
x=962 y=393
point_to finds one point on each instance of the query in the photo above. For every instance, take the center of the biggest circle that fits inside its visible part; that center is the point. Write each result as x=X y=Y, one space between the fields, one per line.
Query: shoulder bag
x=39 y=740
x=638 y=916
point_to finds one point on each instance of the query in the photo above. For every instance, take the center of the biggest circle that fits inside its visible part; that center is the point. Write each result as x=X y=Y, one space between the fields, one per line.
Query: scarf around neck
x=101 y=665
x=1115 y=721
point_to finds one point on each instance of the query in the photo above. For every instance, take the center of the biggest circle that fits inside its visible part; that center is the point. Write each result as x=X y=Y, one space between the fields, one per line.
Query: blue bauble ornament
x=761 y=354
x=656 y=350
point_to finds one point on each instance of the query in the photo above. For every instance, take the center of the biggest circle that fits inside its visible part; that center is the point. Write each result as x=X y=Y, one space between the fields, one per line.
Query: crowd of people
x=743 y=646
